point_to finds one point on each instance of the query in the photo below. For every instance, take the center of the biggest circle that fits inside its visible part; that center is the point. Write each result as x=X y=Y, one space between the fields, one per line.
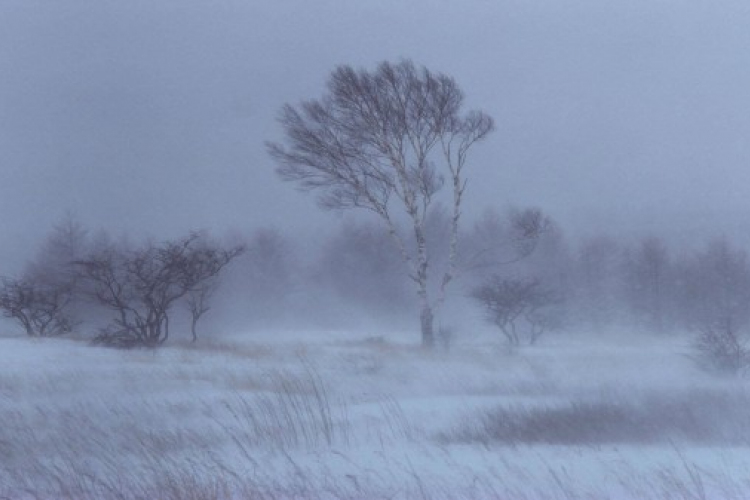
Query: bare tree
x=198 y=302
x=142 y=286
x=43 y=298
x=519 y=307
x=385 y=141
x=40 y=309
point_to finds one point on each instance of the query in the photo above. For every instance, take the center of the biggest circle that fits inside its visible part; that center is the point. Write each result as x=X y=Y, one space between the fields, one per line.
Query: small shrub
x=117 y=339
x=719 y=349
x=141 y=287
x=520 y=308
x=41 y=309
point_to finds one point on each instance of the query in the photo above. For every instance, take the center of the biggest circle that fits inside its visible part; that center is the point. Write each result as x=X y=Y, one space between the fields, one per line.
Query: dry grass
x=295 y=413
x=187 y=424
x=701 y=416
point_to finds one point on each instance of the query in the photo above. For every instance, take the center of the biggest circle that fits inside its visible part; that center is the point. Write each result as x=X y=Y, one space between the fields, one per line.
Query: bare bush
x=519 y=307
x=40 y=309
x=43 y=300
x=142 y=286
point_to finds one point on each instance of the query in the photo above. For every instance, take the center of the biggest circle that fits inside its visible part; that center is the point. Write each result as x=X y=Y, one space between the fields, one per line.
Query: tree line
x=393 y=142
x=525 y=286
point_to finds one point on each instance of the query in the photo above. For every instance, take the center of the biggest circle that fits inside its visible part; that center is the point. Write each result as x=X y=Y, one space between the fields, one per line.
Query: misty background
x=136 y=194
x=148 y=119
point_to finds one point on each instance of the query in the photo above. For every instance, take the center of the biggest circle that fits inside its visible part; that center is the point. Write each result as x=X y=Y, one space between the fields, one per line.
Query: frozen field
x=343 y=415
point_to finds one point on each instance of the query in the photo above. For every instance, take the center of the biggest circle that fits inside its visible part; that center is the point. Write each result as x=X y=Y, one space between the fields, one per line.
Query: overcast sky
x=149 y=117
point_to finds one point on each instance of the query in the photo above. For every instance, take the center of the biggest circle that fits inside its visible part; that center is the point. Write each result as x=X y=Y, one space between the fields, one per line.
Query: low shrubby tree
x=44 y=299
x=40 y=309
x=714 y=288
x=142 y=286
x=522 y=308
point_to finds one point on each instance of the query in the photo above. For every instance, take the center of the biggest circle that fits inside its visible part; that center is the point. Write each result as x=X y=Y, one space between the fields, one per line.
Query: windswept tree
x=519 y=307
x=142 y=286
x=387 y=141
x=41 y=309
x=43 y=299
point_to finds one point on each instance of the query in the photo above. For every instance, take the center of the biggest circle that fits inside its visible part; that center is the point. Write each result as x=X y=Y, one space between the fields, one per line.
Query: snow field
x=345 y=415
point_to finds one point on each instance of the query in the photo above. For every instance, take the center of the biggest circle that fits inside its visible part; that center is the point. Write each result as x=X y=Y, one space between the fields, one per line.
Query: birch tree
x=387 y=141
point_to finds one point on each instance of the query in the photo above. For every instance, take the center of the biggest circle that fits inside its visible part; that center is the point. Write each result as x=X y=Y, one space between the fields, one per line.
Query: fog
x=593 y=340
x=149 y=118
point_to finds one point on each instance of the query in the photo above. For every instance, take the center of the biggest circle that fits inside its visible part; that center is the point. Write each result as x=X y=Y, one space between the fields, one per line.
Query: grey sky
x=149 y=117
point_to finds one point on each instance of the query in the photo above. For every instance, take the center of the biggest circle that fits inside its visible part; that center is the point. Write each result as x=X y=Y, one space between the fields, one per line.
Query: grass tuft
x=699 y=416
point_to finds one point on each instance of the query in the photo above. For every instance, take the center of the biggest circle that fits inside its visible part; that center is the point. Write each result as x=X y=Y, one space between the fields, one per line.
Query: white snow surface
x=340 y=414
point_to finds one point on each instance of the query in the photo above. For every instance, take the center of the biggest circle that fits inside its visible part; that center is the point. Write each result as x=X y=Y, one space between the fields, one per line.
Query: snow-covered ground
x=323 y=414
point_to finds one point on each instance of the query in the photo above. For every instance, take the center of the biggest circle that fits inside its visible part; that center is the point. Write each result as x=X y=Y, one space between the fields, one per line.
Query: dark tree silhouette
x=141 y=286
x=41 y=309
x=43 y=298
x=519 y=307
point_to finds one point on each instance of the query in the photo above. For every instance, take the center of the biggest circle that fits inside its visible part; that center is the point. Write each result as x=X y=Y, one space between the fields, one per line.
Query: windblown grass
x=362 y=421
x=700 y=416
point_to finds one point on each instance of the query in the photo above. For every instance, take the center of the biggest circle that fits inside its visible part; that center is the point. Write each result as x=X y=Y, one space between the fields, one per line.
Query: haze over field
x=149 y=117
x=178 y=322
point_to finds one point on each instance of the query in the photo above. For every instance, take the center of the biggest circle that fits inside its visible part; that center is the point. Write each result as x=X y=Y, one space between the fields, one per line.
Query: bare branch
x=515 y=305
x=382 y=138
x=142 y=286
x=40 y=309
